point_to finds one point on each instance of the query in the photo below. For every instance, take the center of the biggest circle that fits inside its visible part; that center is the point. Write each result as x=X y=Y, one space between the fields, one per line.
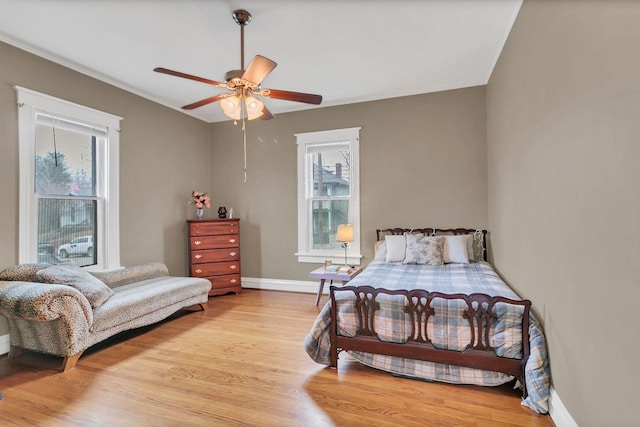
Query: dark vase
x=222 y=212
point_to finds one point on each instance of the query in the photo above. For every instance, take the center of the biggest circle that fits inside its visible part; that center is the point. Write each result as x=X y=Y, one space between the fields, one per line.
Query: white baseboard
x=5 y=344
x=283 y=285
x=558 y=412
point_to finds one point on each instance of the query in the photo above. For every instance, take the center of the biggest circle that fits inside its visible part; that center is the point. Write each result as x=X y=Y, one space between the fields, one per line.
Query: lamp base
x=345 y=245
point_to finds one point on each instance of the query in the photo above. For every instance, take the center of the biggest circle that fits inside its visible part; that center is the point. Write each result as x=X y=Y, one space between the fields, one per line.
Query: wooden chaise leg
x=15 y=352
x=67 y=363
x=197 y=307
x=70 y=361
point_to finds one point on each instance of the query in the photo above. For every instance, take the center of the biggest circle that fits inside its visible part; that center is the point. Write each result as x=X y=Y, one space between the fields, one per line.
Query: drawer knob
x=197 y=256
x=233 y=280
x=197 y=243
x=232 y=254
x=198 y=271
x=232 y=240
x=233 y=267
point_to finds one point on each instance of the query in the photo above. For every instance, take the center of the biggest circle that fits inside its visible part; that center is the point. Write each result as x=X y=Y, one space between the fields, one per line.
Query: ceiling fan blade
x=292 y=96
x=188 y=76
x=259 y=68
x=266 y=114
x=205 y=101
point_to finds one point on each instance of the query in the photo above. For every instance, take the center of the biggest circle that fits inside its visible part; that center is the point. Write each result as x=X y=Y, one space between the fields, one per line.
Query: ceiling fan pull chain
x=244 y=143
x=244 y=139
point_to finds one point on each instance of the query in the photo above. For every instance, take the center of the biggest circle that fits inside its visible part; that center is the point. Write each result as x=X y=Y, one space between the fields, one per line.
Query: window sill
x=335 y=258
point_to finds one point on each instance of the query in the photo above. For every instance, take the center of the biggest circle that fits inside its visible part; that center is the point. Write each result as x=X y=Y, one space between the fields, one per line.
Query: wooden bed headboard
x=380 y=233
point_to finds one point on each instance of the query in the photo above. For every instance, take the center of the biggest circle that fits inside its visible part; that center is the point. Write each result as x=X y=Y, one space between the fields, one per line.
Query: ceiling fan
x=244 y=85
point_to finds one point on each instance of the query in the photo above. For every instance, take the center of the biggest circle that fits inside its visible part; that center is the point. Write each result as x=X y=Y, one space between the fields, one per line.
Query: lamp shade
x=231 y=106
x=345 y=233
x=254 y=107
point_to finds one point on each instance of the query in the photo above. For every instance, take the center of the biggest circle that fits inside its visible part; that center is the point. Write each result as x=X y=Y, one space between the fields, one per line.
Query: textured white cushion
x=22 y=272
x=396 y=245
x=456 y=249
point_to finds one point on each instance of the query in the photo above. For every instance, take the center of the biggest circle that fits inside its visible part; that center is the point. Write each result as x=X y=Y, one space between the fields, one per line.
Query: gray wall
x=560 y=200
x=422 y=164
x=564 y=155
x=164 y=155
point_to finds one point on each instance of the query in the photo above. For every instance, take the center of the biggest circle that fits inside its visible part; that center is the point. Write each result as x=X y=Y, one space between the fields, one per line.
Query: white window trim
x=305 y=253
x=108 y=233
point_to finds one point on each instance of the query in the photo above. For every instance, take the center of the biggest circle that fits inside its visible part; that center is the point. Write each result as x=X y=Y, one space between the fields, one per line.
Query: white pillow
x=456 y=249
x=380 y=250
x=396 y=246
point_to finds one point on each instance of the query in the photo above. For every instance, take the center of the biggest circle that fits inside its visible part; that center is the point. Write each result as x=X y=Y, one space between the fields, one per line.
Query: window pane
x=326 y=216
x=65 y=165
x=331 y=172
x=66 y=231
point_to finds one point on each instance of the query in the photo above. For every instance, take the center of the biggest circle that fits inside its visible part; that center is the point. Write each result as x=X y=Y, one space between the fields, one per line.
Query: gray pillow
x=94 y=290
x=423 y=250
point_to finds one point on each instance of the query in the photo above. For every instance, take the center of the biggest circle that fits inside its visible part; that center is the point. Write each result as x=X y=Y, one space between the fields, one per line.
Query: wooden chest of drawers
x=214 y=253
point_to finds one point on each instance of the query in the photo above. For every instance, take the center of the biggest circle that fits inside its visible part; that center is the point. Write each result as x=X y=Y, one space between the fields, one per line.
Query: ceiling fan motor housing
x=233 y=79
x=241 y=16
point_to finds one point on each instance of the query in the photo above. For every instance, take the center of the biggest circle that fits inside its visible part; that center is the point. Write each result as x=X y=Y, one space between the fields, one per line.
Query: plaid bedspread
x=452 y=333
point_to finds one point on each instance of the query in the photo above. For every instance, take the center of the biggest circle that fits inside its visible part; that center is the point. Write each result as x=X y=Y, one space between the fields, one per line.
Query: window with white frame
x=328 y=194
x=69 y=185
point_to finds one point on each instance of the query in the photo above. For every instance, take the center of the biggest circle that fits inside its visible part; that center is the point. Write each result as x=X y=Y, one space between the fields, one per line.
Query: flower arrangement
x=201 y=199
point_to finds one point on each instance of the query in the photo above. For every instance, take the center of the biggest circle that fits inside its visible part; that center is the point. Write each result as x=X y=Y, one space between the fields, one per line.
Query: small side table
x=323 y=275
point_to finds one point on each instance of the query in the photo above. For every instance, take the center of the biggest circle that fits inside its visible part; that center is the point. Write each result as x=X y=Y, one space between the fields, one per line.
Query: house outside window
x=328 y=194
x=68 y=182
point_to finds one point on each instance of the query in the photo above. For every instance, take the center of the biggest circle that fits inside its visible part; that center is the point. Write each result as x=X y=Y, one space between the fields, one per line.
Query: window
x=328 y=194
x=68 y=182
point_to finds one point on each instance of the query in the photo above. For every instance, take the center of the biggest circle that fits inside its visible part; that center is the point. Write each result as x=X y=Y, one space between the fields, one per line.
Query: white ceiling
x=345 y=50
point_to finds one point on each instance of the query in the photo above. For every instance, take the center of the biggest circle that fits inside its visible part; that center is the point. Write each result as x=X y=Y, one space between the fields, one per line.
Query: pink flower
x=200 y=199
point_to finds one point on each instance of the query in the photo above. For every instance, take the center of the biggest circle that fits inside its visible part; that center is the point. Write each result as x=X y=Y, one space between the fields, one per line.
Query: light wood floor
x=227 y=366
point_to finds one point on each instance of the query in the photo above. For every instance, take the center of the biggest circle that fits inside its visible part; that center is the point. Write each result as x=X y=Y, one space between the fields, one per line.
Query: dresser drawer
x=226 y=281
x=215 y=255
x=214 y=242
x=212 y=228
x=215 y=269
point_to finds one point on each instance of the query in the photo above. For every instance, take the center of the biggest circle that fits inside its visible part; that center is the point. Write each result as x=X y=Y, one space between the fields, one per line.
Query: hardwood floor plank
x=240 y=363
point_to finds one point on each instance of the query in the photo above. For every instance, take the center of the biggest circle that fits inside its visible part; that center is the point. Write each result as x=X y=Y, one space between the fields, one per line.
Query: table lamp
x=344 y=236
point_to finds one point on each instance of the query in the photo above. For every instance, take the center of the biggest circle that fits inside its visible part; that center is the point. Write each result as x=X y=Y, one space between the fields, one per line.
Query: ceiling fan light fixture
x=254 y=107
x=231 y=107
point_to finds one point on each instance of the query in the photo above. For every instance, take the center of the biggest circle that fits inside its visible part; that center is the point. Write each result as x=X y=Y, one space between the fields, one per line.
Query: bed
x=453 y=321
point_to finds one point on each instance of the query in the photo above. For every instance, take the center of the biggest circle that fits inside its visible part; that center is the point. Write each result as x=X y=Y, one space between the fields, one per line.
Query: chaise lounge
x=62 y=310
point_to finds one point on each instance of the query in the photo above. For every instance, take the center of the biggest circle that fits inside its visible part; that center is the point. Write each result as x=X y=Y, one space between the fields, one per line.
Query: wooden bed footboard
x=479 y=313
